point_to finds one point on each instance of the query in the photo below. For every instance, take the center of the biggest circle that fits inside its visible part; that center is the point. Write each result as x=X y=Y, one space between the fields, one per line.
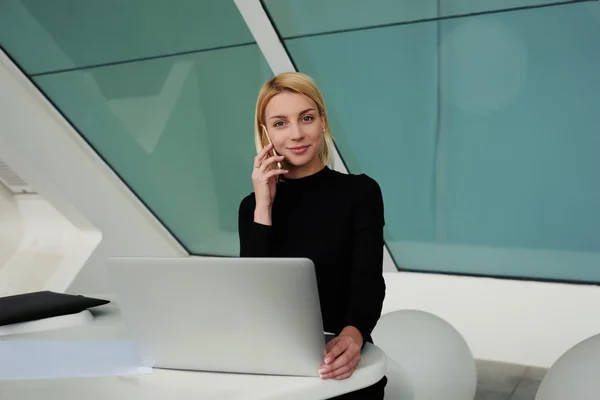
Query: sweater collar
x=309 y=179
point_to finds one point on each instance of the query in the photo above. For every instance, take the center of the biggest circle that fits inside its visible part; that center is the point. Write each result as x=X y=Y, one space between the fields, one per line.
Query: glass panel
x=304 y=17
x=383 y=121
x=307 y=17
x=45 y=36
x=495 y=170
x=178 y=130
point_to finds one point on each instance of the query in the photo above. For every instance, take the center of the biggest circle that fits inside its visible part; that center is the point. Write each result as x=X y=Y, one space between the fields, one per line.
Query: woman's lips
x=299 y=149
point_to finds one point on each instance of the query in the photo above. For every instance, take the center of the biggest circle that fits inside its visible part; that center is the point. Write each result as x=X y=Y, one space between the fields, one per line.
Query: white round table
x=169 y=384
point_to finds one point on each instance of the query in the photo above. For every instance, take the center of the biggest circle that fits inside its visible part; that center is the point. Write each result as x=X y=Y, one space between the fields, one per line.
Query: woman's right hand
x=265 y=182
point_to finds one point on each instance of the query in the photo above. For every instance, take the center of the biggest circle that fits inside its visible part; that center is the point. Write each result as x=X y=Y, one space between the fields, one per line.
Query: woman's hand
x=342 y=355
x=265 y=183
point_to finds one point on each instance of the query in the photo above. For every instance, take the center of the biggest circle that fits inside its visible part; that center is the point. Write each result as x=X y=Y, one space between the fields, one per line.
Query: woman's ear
x=323 y=121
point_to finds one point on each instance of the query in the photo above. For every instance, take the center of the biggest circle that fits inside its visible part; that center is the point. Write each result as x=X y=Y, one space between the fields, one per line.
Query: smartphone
x=274 y=153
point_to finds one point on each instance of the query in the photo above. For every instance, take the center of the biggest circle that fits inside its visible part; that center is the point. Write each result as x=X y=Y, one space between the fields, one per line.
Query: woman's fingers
x=342 y=360
x=347 y=370
x=264 y=190
x=265 y=163
x=260 y=173
x=344 y=370
x=330 y=345
x=340 y=346
x=274 y=172
x=343 y=355
x=261 y=155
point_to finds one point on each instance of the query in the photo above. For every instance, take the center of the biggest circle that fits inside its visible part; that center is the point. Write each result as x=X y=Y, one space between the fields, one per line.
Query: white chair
x=427 y=358
x=575 y=375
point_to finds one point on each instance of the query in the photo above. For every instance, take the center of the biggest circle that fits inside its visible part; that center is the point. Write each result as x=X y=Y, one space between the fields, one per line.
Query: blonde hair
x=294 y=82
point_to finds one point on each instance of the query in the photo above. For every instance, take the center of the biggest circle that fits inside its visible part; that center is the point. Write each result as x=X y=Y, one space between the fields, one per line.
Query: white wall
x=50 y=251
x=531 y=323
x=42 y=148
x=11 y=226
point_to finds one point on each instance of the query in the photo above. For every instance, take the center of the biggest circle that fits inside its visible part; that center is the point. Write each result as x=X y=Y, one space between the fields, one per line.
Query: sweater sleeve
x=255 y=238
x=367 y=286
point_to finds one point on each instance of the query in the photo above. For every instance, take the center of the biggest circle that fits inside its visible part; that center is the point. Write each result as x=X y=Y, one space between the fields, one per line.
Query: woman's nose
x=296 y=131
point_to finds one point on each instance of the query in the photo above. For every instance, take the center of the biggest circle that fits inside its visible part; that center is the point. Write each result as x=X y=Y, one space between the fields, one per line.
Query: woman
x=302 y=208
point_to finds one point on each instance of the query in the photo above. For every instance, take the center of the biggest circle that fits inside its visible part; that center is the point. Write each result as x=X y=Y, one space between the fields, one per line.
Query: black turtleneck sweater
x=336 y=220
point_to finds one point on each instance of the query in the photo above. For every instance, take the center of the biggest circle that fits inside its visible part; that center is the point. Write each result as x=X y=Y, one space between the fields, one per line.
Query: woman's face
x=296 y=129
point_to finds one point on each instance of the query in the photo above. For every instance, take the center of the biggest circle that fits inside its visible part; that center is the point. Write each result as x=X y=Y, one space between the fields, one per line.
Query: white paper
x=44 y=359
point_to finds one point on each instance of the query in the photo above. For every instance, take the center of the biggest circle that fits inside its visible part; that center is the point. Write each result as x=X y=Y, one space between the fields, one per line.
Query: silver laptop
x=245 y=315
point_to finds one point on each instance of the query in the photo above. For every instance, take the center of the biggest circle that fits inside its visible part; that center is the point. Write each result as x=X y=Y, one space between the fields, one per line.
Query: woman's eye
x=307 y=118
x=278 y=124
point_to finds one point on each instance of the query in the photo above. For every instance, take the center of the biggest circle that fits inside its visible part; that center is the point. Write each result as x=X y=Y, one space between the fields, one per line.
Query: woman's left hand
x=342 y=355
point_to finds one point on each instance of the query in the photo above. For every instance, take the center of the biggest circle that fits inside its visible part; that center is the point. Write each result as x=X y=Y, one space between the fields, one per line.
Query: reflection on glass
x=178 y=131
x=308 y=17
x=46 y=36
x=493 y=171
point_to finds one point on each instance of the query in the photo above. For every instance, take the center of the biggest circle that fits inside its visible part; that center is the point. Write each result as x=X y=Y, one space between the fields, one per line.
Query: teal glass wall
x=483 y=130
x=49 y=36
x=164 y=91
x=296 y=18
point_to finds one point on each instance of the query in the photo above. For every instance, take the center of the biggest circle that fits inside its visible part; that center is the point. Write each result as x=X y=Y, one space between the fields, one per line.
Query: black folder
x=45 y=304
